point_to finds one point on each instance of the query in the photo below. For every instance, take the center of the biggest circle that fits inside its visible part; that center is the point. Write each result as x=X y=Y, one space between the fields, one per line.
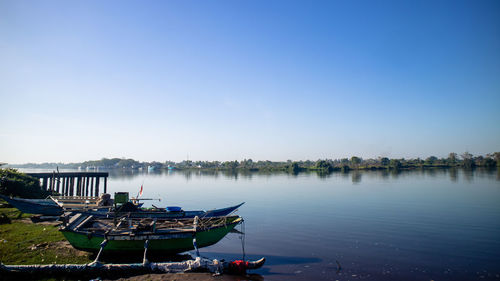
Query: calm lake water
x=417 y=225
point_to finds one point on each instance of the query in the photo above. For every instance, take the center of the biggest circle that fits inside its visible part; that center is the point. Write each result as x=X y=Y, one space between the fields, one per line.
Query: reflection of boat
x=165 y=235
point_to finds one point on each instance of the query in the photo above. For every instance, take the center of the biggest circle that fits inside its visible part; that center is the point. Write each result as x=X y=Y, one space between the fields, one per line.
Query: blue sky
x=228 y=80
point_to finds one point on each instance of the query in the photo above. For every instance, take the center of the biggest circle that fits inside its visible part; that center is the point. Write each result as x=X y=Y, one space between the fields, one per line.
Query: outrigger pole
x=96 y=267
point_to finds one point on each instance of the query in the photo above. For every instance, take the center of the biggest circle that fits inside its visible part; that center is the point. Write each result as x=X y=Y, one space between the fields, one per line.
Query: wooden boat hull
x=166 y=214
x=45 y=207
x=165 y=243
x=50 y=207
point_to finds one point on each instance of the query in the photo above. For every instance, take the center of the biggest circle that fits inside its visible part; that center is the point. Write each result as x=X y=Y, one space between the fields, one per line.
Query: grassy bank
x=24 y=242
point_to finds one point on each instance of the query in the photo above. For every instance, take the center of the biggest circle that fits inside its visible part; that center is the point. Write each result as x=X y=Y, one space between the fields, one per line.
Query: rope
x=242 y=238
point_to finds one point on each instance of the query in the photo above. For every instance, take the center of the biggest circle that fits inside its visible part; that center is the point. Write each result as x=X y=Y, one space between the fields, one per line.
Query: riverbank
x=23 y=242
x=466 y=160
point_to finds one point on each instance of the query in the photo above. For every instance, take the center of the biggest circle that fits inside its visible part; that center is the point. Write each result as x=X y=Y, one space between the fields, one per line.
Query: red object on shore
x=238 y=267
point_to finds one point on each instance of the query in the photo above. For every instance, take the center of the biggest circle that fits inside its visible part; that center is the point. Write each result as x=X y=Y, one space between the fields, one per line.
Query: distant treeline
x=465 y=160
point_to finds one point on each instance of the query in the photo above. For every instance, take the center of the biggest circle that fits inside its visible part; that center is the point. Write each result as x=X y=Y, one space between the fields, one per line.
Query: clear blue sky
x=228 y=80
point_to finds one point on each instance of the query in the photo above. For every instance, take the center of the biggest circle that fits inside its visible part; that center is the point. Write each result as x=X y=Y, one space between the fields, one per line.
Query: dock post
x=58 y=183
x=66 y=193
x=82 y=182
x=52 y=181
x=97 y=186
x=63 y=193
x=78 y=186
x=83 y=186
x=87 y=187
x=44 y=183
x=71 y=186
x=72 y=183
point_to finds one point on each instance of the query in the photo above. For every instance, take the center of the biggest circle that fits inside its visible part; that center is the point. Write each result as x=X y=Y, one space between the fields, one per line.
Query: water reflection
x=355 y=175
x=432 y=172
x=396 y=172
x=468 y=175
x=453 y=174
x=302 y=223
x=384 y=174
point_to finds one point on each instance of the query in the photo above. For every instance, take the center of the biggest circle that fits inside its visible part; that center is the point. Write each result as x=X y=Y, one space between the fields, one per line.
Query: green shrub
x=17 y=184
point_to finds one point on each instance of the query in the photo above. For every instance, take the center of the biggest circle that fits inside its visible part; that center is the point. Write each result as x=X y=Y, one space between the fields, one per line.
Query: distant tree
x=419 y=161
x=324 y=165
x=294 y=168
x=231 y=164
x=468 y=160
x=488 y=162
x=108 y=162
x=395 y=164
x=452 y=158
x=496 y=156
x=355 y=161
x=385 y=161
x=246 y=164
x=431 y=160
x=479 y=160
x=308 y=163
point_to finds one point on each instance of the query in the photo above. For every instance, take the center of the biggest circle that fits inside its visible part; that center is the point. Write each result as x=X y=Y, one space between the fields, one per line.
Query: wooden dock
x=72 y=183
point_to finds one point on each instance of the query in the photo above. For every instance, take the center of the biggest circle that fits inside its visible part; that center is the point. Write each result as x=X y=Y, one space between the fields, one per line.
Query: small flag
x=140 y=192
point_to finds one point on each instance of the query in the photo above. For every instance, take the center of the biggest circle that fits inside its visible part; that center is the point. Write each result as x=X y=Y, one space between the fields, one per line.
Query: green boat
x=129 y=235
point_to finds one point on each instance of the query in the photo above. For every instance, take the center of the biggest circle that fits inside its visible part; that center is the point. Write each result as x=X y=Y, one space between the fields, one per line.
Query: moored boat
x=129 y=235
x=163 y=213
x=45 y=207
x=54 y=205
x=57 y=205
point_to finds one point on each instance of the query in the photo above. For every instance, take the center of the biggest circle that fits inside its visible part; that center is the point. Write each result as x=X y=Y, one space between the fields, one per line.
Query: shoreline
x=24 y=242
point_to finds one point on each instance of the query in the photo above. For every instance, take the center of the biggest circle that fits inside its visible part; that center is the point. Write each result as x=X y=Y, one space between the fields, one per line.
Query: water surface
x=417 y=225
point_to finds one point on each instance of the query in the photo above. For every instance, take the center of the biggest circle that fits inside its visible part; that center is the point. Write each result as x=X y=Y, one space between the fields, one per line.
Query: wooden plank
x=70 y=174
